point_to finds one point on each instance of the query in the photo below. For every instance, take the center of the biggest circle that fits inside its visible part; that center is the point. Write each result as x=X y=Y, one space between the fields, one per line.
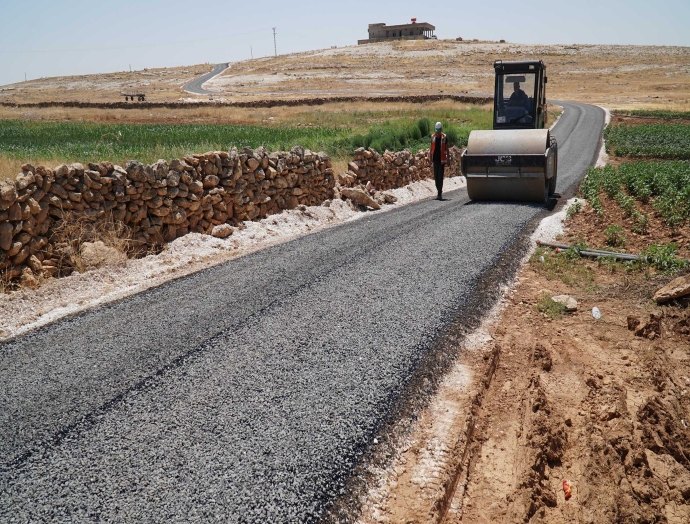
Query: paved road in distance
x=195 y=86
x=248 y=392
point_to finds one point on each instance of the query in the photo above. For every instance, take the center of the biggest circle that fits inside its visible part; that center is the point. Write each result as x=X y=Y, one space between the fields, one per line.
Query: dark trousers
x=438 y=175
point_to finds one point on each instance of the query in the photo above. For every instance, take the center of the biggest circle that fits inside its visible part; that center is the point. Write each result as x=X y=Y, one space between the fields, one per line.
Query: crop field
x=661 y=141
x=664 y=185
x=655 y=113
x=336 y=132
x=118 y=142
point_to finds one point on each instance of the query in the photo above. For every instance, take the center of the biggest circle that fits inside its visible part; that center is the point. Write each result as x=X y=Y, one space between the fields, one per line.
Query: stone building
x=411 y=31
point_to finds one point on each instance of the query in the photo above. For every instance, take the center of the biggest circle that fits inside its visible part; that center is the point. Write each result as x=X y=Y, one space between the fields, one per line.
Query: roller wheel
x=554 y=179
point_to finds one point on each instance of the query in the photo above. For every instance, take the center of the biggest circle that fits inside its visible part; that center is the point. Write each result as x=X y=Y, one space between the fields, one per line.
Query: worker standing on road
x=439 y=155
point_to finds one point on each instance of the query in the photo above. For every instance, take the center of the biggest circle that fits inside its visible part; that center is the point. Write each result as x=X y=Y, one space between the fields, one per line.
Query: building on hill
x=411 y=31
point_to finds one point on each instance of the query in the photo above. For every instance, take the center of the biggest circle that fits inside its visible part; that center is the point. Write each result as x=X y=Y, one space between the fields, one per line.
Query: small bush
x=358 y=141
x=627 y=203
x=614 y=236
x=664 y=258
x=416 y=134
x=640 y=223
x=424 y=125
x=575 y=208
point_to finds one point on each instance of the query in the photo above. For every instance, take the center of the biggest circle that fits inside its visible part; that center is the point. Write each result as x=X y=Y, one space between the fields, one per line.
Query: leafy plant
x=655 y=113
x=664 y=258
x=640 y=223
x=575 y=208
x=668 y=141
x=614 y=236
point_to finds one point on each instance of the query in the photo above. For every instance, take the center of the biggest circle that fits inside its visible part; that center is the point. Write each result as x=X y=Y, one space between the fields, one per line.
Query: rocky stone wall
x=157 y=203
x=396 y=169
x=290 y=102
x=208 y=193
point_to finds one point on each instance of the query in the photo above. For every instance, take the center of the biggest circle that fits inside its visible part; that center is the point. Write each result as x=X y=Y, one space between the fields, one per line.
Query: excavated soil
x=601 y=403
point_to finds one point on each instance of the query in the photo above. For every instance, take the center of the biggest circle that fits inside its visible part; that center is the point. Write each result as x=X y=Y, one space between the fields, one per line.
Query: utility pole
x=24 y=77
x=275 y=48
x=130 y=68
x=251 y=51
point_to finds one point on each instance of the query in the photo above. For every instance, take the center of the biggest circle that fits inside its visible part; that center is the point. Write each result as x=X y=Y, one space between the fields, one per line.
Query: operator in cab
x=518 y=98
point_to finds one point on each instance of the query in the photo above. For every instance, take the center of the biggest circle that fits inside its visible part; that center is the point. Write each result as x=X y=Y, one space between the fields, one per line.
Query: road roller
x=518 y=159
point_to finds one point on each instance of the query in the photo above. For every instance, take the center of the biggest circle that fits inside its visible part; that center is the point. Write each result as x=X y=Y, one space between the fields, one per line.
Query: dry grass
x=160 y=85
x=10 y=167
x=616 y=75
x=332 y=114
x=72 y=231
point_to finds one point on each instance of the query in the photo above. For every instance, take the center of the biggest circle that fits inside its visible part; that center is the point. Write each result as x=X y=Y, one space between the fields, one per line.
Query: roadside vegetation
x=637 y=206
x=661 y=140
x=336 y=130
x=654 y=113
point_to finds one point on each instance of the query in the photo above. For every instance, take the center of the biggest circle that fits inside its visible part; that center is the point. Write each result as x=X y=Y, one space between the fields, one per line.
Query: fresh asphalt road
x=248 y=392
x=195 y=86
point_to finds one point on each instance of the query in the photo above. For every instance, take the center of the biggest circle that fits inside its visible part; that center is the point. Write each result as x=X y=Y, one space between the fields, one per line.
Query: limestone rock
x=6 y=231
x=389 y=198
x=569 y=302
x=222 y=231
x=360 y=196
x=8 y=194
x=677 y=288
x=27 y=279
x=97 y=254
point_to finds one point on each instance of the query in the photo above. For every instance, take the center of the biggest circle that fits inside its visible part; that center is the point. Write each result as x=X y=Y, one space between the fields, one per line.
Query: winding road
x=195 y=86
x=249 y=392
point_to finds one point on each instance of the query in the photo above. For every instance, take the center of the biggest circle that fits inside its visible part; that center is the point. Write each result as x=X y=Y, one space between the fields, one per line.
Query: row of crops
x=670 y=141
x=85 y=141
x=655 y=113
x=664 y=185
x=91 y=142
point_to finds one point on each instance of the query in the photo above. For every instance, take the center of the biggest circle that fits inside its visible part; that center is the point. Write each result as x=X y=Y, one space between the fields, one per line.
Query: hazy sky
x=70 y=37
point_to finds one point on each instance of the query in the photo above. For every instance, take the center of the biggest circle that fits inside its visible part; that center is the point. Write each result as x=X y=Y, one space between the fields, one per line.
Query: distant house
x=412 y=31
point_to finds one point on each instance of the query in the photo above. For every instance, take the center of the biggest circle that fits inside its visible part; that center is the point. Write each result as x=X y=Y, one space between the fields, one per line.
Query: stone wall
x=397 y=169
x=208 y=193
x=157 y=203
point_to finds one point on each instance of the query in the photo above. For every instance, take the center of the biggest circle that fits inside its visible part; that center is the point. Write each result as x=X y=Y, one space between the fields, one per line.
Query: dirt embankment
x=589 y=401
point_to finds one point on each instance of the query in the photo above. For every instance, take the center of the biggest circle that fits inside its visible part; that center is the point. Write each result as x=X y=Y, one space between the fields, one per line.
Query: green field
x=663 y=141
x=336 y=133
x=147 y=143
x=666 y=185
x=655 y=113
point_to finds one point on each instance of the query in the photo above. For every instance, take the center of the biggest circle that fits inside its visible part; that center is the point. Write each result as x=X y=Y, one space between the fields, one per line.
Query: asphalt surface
x=195 y=86
x=250 y=391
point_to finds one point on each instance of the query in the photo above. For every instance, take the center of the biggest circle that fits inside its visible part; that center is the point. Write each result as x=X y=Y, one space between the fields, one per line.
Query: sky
x=72 y=37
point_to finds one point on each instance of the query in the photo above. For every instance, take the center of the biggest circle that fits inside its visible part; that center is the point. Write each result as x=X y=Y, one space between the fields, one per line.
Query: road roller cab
x=518 y=160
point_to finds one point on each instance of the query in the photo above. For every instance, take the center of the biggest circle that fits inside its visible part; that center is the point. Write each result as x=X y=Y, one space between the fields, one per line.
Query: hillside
x=617 y=76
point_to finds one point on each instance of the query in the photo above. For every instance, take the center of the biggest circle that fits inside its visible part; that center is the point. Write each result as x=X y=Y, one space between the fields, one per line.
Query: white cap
x=438 y=126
